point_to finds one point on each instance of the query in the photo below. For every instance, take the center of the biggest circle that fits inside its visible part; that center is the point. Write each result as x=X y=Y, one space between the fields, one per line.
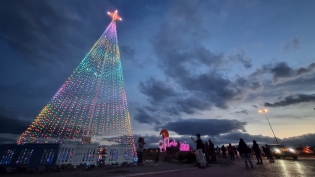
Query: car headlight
x=291 y=150
x=277 y=150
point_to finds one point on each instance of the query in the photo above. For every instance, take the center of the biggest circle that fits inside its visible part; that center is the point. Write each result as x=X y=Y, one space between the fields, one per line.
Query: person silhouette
x=200 y=148
x=223 y=149
x=243 y=150
x=212 y=152
x=257 y=152
x=218 y=151
x=269 y=154
x=231 y=152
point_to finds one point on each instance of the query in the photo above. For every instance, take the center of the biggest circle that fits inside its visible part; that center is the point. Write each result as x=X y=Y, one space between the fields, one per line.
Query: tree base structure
x=50 y=155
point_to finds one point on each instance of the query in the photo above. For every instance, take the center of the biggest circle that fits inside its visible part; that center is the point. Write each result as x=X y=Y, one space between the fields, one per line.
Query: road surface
x=281 y=168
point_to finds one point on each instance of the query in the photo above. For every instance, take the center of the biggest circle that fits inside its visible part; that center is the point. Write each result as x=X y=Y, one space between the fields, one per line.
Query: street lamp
x=265 y=112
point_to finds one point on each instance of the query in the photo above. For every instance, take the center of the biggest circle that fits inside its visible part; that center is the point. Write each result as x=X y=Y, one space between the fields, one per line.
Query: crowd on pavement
x=206 y=152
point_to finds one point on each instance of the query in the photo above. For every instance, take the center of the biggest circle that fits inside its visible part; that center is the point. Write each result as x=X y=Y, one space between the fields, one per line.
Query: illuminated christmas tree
x=91 y=103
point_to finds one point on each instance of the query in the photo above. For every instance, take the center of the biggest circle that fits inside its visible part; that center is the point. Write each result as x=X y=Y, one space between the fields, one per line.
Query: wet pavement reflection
x=303 y=167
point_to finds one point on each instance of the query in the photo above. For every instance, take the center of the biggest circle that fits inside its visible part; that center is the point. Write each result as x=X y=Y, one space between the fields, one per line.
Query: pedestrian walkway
x=281 y=168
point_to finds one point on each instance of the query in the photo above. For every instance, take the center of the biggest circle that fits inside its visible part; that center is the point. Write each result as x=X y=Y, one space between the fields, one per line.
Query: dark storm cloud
x=157 y=89
x=309 y=69
x=241 y=81
x=243 y=111
x=304 y=140
x=302 y=84
x=294 y=44
x=204 y=126
x=190 y=67
x=143 y=116
x=26 y=90
x=212 y=86
x=127 y=52
x=286 y=116
x=263 y=70
x=234 y=138
x=305 y=82
x=242 y=58
x=281 y=70
x=193 y=82
x=190 y=105
x=292 y=99
x=35 y=30
x=177 y=43
x=174 y=102
x=200 y=94
x=8 y=138
x=255 y=85
x=45 y=41
x=246 y=63
x=31 y=30
x=10 y=122
x=11 y=125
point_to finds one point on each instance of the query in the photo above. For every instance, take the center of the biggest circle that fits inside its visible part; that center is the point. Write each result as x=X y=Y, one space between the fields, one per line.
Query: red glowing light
x=114 y=15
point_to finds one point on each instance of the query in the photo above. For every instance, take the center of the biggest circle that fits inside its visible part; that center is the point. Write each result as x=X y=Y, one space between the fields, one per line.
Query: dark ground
x=304 y=166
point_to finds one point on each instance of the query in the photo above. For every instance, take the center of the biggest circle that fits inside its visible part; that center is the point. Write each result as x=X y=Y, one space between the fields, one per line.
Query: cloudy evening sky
x=190 y=66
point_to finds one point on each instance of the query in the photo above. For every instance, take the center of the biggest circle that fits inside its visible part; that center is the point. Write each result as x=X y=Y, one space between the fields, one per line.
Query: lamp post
x=265 y=112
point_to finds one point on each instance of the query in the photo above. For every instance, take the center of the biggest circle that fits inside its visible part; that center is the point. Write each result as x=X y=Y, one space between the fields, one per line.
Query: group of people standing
x=232 y=152
x=206 y=151
x=245 y=151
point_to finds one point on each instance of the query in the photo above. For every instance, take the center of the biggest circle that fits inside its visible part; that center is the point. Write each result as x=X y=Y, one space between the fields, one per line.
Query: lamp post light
x=264 y=111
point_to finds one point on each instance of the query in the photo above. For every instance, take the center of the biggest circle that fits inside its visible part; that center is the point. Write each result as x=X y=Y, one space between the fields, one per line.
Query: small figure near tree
x=200 y=154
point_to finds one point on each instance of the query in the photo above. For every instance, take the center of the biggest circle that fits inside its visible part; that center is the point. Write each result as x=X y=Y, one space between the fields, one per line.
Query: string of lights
x=92 y=102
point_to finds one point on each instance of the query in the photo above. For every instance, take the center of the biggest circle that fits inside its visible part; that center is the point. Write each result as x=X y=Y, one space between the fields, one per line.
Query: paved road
x=281 y=168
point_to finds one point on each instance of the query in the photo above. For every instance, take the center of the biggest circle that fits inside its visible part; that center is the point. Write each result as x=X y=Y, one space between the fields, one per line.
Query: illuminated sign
x=184 y=147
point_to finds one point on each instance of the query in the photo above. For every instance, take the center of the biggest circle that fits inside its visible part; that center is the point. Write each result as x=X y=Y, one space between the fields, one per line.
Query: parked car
x=279 y=151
